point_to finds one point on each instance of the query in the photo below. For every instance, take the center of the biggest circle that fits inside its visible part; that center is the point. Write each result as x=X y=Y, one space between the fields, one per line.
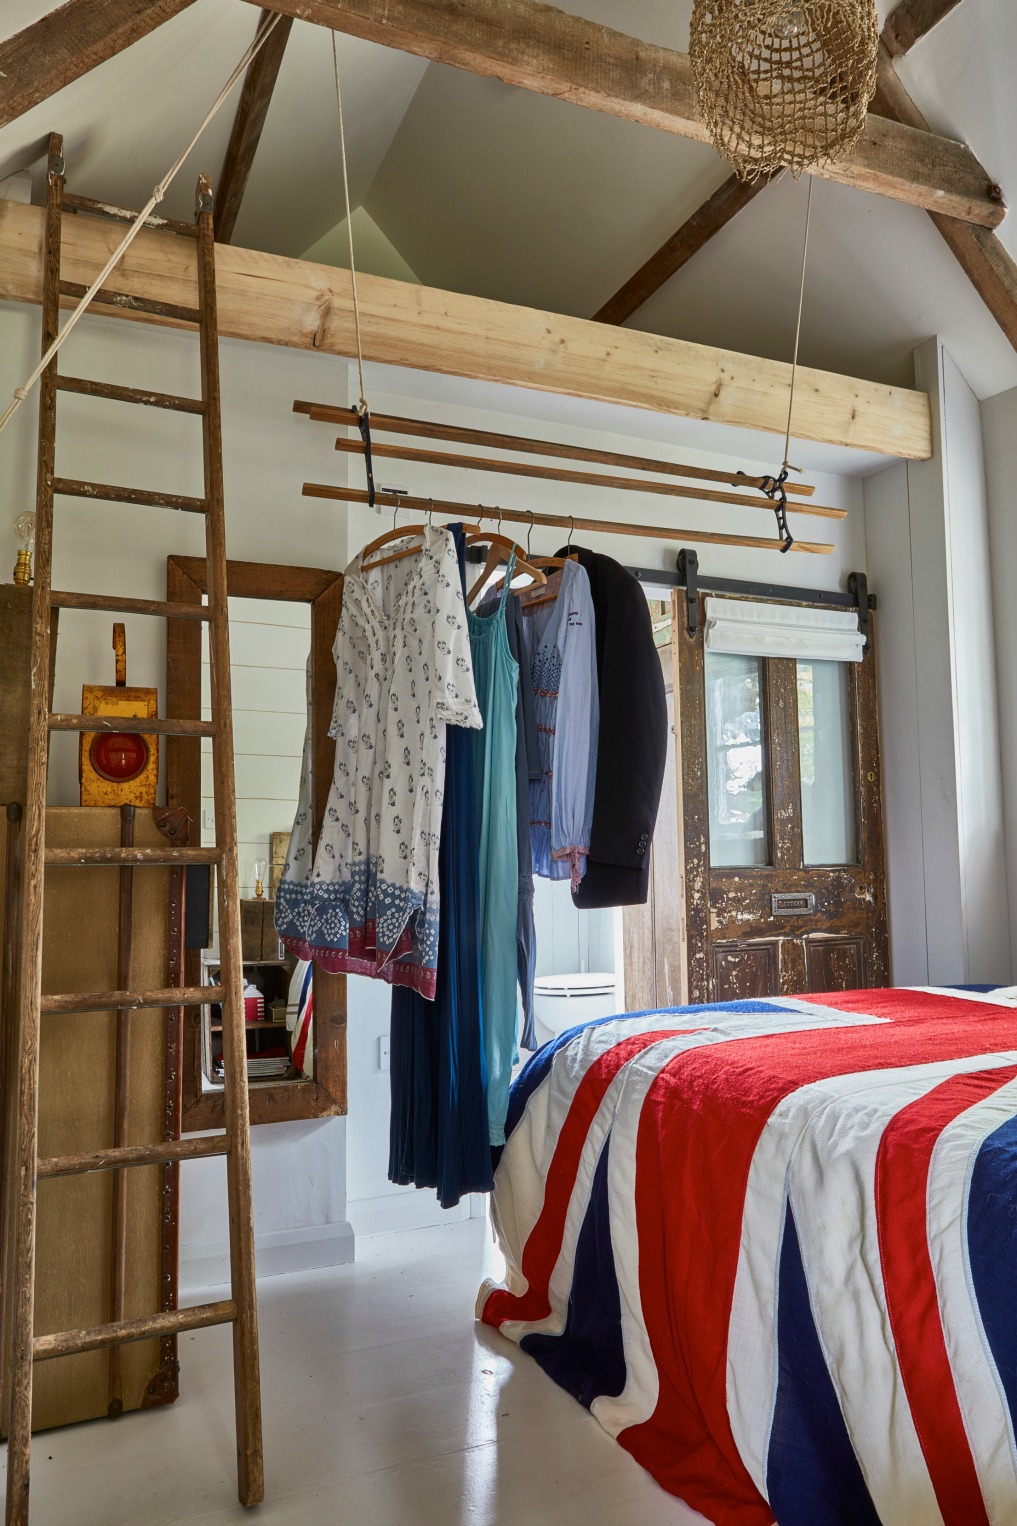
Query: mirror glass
x=269 y=643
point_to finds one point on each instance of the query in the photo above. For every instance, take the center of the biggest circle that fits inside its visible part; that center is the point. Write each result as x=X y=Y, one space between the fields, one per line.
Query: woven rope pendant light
x=783 y=83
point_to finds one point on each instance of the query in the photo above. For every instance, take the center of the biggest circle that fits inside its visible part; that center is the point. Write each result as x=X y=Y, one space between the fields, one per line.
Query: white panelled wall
x=927 y=535
x=999 y=431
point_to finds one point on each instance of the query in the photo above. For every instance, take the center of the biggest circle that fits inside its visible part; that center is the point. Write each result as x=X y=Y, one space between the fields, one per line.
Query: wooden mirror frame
x=186 y=583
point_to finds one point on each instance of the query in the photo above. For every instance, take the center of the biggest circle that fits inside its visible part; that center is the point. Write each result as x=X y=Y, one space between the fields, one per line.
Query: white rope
x=798 y=334
x=363 y=408
x=20 y=393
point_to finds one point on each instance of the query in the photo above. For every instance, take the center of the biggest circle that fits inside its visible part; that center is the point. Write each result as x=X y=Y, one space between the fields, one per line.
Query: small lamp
x=24 y=530
x=260 y=865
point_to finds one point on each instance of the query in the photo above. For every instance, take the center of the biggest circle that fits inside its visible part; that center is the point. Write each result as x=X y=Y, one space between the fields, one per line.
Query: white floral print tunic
x=368 y=905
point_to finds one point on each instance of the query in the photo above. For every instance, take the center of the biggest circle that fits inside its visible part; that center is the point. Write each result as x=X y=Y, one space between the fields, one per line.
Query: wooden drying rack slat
x=585 y=479
x=473 y=511
x=391 y=423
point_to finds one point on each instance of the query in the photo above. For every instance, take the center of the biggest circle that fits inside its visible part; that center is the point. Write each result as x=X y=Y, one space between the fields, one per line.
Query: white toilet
x=561 y=1002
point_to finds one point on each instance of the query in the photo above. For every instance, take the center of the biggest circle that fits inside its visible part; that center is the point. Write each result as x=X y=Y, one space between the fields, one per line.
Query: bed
x=772 y=1246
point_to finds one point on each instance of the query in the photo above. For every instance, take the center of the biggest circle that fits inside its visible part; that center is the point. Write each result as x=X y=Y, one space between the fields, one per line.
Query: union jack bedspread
x=772 y=1246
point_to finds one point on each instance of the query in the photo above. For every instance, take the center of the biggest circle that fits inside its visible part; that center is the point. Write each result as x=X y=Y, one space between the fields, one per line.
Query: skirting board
x=207 y=1264
x=396 y=1210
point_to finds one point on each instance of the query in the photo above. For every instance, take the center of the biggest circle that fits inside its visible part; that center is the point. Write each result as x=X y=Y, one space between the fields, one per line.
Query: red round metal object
x=118 y=755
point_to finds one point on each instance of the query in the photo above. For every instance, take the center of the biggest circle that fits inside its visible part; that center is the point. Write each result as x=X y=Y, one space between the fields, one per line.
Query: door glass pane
x=828 y=784
x=735 y=763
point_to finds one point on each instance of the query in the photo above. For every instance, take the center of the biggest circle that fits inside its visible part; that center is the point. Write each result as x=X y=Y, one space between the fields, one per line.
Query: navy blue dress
x=438 y=1132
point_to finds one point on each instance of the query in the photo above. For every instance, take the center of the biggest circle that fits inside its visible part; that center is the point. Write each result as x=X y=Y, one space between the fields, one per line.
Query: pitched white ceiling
x=484 y=188
x=125 y=122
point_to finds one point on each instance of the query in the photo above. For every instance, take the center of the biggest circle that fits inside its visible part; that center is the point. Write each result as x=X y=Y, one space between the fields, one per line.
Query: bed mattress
x=772 y=1246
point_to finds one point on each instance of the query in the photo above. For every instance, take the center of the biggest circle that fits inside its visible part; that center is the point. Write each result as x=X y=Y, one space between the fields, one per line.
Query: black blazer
x=632 y=748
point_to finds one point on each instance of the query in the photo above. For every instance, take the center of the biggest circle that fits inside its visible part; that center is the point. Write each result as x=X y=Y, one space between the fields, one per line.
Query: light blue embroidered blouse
x=561 y=656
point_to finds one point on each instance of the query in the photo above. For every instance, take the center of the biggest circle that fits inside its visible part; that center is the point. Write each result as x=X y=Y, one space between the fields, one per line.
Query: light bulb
x=260 y=865
x=24 y=530
x=789 y=25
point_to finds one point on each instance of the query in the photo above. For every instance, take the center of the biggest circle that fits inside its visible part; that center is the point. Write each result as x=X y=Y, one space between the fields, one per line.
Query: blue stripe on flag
x=992 y=1246
x=812 y=1474
x=588 y=1358
x=534 y=1071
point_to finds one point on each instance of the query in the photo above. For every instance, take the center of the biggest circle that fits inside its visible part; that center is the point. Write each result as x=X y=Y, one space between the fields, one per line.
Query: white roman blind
x=782 y=630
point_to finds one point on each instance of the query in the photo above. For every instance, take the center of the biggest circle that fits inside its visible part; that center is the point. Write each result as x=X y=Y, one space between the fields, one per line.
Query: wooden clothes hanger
x=554 y=564
x=501 y=552
x=408 y=532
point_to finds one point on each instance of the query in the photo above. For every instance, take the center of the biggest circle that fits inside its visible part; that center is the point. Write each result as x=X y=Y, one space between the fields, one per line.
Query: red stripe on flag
x=902 y=1178
x=699 y=1129
x=543 y=1247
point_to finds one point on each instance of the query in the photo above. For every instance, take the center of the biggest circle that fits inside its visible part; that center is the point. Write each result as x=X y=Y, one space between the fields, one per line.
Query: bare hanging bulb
x=24 y=530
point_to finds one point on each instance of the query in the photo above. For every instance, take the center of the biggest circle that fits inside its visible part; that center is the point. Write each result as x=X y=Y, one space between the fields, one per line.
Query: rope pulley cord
x=159 y=191
x=774 y=487
x=361 y=409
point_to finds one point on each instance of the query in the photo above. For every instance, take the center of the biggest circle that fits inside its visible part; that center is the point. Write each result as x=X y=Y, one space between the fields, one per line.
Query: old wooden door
x=781 y=821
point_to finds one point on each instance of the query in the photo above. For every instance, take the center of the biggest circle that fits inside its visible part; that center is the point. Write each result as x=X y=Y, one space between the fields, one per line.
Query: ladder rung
x=135 y=725
x=71 y=203
x=135 y=304
x=102 y=858
x=112 y=493
x=67 y=1342
x=133 y=1155
x=122 y=1001
x=130 y=395
x=124 y=606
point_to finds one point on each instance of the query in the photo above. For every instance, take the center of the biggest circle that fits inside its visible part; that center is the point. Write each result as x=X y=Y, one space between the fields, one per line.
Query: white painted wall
x=999 y=433
x=927 y=530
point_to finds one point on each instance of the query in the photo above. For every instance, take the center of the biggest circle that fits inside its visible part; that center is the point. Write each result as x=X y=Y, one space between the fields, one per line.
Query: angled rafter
x=707 y=220
x=986 y=263
x=252 y=109
x=70 y=41
x=539 y=47
x=274 y=300
x=910 y=21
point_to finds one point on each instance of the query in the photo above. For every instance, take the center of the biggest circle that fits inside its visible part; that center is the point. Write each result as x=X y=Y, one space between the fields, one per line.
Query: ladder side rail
x=247 y=1382
x=20 y=1377
x=9 y=1094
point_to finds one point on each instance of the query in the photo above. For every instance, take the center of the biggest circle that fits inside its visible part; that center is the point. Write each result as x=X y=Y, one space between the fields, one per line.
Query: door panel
x=772 y=923
x=745 y=971
x=836 y=964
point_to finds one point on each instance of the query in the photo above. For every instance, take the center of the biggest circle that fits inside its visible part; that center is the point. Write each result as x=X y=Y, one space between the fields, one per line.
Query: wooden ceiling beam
x=252 y=109
x=274 y=300
x=910 y=21
x=539 y=47
x=693 y=234
x=64 y=44
x=986 y=263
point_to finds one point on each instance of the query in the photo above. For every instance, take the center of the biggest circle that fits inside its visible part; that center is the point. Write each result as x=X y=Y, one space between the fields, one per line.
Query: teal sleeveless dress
x=496 y=677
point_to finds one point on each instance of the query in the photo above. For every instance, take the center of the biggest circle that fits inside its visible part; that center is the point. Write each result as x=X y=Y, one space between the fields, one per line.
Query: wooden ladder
x=240 y=1309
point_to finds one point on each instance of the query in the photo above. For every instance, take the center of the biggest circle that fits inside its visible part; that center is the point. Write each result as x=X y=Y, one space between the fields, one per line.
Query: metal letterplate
x=787 y=905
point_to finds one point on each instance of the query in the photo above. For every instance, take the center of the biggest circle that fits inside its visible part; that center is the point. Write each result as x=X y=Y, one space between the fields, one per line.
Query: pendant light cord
x=775 y=488
x=798 y=331
x=159 y=191
x=361 y=409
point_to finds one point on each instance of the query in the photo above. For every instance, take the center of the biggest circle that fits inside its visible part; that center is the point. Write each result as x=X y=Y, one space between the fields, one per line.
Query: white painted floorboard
x=385 y=1405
